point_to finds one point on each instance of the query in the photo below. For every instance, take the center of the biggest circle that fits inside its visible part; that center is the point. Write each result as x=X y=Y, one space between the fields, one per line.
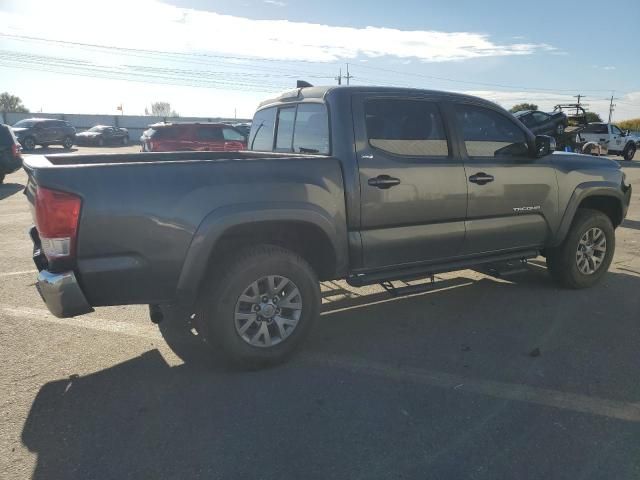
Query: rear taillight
x=57 y=215
x=15 y=150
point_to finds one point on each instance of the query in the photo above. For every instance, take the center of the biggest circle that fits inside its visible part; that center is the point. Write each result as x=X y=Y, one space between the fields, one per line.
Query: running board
x=421 y=271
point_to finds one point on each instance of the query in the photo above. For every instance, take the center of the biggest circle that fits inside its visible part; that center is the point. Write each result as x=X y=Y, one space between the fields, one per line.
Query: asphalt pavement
x=479 y=378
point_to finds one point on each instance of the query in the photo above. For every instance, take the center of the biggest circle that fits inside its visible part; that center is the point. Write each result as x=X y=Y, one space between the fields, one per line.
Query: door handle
x=383 y=181
x=481 y=178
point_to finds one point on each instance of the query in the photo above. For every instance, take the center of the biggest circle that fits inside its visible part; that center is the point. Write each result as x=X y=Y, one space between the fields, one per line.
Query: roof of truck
x=320 y=92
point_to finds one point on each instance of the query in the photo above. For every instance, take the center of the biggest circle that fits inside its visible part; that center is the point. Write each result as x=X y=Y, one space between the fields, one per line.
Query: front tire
x=259 y=306
x=586 y=253
x=629 y=152
x=29 y=144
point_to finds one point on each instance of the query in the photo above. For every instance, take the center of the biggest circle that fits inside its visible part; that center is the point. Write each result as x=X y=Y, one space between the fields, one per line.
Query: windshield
x=98 y=129
x=25 y=123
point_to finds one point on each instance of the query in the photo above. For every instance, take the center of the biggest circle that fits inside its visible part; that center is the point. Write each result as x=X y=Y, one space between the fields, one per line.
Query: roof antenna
x=303 y=84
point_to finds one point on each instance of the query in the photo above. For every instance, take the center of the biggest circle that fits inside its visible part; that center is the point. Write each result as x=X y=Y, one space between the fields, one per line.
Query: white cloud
x=275 y=3
x=156 y=25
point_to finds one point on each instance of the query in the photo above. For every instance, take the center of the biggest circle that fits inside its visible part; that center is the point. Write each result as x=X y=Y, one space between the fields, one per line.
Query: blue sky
x=221 y=57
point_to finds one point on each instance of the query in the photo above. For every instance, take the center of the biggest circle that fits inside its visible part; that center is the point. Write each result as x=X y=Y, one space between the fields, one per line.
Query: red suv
x=173 y=137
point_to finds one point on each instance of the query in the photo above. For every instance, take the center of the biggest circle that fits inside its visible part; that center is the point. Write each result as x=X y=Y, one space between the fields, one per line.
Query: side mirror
x=545 y=145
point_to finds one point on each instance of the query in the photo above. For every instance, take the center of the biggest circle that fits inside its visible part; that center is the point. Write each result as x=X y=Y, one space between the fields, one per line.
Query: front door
x=511 y=193
x=413 y=190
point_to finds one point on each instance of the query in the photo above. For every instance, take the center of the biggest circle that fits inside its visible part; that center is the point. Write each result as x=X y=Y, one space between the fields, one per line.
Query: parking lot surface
x=479 y=377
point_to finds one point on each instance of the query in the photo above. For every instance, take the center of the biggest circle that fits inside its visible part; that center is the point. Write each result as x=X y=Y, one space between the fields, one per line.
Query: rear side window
x=595 y=128
x=232 y=135
x=209 y=134
x=284 y=134
x=406 y=127
x=311 y=133
x=486 y=133
x=262 y=127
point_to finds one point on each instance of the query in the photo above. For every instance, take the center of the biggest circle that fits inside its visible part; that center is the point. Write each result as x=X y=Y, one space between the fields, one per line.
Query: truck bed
x=142 y=214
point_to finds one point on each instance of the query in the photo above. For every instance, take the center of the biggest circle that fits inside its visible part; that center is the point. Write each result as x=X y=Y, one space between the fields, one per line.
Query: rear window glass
x=284 y=136
x=232 y=135
x=405 y=127
x=165 y=133
x=262 y=127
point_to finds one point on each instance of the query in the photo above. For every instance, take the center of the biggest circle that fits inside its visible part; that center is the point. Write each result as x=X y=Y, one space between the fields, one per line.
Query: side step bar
x=421 y=271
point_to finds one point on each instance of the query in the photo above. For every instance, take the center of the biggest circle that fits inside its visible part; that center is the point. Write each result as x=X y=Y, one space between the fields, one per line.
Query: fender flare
x=581 y=192
x=219 y=221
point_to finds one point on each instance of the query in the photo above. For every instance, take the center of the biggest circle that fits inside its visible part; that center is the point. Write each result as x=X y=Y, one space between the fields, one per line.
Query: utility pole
x=578 y=97
x=612 y=107
x=339 y=77
x=348 y=76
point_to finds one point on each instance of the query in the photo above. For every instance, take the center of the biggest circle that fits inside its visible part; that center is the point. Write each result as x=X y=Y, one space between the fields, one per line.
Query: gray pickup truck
x=365 y=184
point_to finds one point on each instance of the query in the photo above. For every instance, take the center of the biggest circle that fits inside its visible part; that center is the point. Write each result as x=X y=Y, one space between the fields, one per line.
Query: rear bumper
x=62 y=294
x=60 y=291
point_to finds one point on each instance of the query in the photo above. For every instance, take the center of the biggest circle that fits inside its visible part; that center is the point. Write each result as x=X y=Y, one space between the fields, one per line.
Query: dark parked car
x=195 y=137
x=542 y=123
x=367 y=184
x=10 y=158
x=43 y=131
x=103 y=135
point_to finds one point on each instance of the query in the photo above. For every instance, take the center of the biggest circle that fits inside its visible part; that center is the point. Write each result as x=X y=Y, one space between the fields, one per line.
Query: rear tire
x=233 y=301
x=67 y=143
x=125 y=141
x=564 y=262
x=1 y=179
x=629 y=152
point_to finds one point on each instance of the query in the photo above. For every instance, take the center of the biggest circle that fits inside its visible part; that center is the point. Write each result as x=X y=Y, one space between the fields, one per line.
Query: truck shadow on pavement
x=634 y=224
x=8 y=189
x=306 y=419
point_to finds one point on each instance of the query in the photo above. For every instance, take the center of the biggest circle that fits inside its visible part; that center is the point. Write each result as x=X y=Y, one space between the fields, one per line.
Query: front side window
x=284 y=134
x=262 y=128
x=405 y=127
x=615 y=130
x=487 y=133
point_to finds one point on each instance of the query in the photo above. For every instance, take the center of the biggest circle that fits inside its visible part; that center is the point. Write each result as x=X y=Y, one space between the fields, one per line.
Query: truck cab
x=611 y=137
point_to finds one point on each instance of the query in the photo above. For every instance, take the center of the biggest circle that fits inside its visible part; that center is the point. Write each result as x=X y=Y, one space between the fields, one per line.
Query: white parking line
x=88 y=322
x=508 y=391
x=23 y=272
x=460 y=384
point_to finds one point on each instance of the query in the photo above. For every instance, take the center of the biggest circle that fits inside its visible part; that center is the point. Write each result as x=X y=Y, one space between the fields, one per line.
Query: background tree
x=162 y=109
x=632 y=124
x=523 y=106
x=11 y=103
x=593 y=117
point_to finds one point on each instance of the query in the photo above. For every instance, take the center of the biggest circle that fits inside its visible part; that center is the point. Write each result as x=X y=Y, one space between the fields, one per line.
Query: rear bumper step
x=62 y=294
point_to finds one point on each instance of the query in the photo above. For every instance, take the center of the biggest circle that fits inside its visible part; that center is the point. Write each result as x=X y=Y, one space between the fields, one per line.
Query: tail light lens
x=57 y=215
x=15 y=150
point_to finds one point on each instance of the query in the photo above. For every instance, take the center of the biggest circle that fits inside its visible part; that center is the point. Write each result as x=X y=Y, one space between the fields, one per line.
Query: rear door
x=412 y=186
x=208 y=138
x=510 y=192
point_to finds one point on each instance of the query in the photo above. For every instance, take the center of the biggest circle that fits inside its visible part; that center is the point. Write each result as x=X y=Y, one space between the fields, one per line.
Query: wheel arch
x=304 y=229
x=602 y=197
